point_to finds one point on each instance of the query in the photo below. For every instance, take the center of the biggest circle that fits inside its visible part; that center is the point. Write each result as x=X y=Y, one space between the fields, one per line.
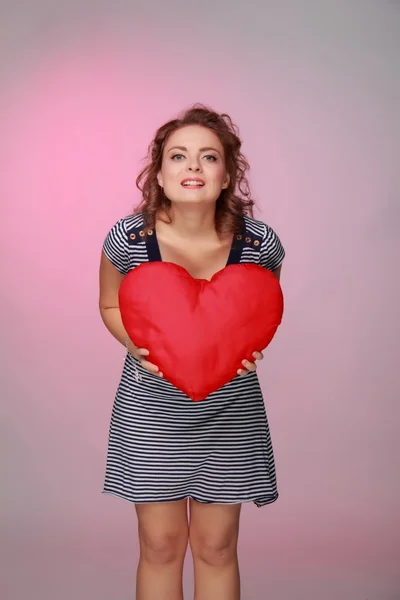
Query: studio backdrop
x=314 y=89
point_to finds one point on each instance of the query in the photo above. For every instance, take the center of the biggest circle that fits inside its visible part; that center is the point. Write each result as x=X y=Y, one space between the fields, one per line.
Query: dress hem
x=259 y=503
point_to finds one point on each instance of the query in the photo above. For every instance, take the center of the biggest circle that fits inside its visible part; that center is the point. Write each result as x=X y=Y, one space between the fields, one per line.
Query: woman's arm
x=277 y=272
x=110 y=280
x=251 y=366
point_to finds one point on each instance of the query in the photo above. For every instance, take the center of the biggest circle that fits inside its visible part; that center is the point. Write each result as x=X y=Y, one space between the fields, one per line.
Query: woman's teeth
x=198 y=183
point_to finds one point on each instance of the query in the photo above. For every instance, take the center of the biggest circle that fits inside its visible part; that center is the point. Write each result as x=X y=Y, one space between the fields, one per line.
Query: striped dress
x=163 y=446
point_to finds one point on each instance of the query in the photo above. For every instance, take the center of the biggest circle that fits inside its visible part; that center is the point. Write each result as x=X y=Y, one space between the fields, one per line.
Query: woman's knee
x=162 y=547
x=163 y=533
x=214 y=531
x=213 y=549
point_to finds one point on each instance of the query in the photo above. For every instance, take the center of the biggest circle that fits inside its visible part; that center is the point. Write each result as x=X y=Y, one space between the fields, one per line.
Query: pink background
x=314 y=88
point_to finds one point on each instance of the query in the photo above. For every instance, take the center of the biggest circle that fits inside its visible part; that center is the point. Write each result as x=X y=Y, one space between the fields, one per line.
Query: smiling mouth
x=192 y=183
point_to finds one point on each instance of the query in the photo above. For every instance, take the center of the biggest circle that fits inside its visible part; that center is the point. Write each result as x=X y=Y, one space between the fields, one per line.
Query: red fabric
x=197 y=331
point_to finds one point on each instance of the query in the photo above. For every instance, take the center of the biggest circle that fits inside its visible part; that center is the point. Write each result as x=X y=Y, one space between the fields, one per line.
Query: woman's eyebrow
x=207 y=149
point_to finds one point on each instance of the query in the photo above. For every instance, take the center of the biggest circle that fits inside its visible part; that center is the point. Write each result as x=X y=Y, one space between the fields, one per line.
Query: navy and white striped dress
x=163 y=446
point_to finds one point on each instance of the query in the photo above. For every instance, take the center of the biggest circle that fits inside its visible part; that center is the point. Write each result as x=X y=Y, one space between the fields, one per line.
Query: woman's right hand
x=139 y=353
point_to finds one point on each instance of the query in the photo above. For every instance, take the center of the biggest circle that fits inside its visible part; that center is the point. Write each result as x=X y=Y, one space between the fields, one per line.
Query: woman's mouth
x=193 y=183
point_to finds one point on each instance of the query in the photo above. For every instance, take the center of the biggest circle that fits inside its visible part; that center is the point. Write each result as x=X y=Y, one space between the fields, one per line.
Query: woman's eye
x=208 y=157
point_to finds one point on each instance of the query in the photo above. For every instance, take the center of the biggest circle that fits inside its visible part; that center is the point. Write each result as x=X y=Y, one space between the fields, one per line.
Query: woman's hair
x=233 y=202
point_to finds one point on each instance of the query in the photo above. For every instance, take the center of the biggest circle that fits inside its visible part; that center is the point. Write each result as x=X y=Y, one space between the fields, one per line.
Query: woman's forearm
x=113 y=321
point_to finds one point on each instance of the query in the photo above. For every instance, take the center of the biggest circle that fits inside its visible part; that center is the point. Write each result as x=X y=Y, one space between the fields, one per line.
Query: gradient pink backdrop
x=314 y=88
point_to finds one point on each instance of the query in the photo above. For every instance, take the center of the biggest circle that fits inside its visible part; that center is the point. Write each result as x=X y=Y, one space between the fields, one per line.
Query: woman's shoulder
x=131 y=221
x=270 y=246
x=124 y=245
x=128 y=229
x=256 y=226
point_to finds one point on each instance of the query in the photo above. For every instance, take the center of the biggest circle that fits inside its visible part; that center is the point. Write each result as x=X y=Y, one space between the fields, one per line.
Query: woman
x=167 y=453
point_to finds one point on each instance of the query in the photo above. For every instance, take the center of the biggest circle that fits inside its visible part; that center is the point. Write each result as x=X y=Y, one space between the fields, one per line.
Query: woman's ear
x=226 y=181
x=160 y=179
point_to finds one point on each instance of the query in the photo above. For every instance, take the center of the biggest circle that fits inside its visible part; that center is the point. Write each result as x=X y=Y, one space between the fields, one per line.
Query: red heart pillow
x=198 y=331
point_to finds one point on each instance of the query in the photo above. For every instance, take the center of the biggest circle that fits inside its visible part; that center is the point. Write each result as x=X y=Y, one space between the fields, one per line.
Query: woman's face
x=193 y=166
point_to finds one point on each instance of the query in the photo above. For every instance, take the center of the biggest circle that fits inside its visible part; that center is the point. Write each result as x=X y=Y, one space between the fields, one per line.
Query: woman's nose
x=194 y=165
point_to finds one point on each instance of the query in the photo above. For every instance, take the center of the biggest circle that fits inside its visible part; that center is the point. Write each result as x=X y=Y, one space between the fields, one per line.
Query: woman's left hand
x=250 y=366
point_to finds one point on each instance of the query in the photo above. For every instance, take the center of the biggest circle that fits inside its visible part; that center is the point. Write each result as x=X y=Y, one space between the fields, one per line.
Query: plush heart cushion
x=198 y=331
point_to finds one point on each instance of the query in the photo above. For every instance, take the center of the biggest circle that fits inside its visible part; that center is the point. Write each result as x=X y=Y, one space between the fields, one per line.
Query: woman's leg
x=163 y=539
x=213 y=535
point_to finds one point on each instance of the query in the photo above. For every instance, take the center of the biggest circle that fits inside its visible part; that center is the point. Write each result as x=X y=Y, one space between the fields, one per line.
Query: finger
x=258 y=355
x=142 y=351
x=249 y=365
x=242 y=372
x=151 y=368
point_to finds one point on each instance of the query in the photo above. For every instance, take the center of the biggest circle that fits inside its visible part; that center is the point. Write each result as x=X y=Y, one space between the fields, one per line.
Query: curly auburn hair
x=233 y=202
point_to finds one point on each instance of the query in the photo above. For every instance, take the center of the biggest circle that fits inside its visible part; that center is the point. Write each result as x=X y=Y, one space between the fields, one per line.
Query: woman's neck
x=190 y=221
